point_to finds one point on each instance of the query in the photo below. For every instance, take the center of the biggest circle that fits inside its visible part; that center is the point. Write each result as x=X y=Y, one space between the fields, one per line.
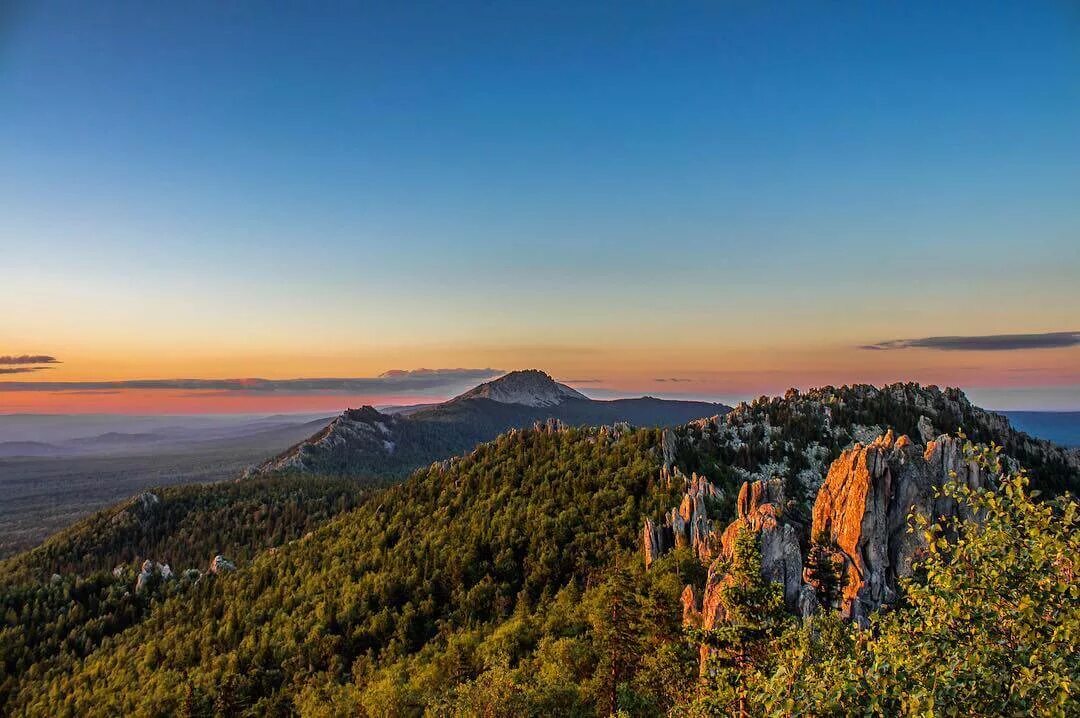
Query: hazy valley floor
x=42 y=495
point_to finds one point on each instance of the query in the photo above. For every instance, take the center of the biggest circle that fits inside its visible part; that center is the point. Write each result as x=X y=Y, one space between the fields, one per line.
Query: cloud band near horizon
x=10 y=359
x=397 y=380
x=992 y=342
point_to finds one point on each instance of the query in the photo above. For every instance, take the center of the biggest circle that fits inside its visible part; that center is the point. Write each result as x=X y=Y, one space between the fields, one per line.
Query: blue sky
x=489 y=184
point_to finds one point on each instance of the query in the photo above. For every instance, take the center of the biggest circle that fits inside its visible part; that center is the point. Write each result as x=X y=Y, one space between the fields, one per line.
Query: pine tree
x=225 y=703
x=189 y=707
x=824 y=571
x=753 y=614
x=619 y=633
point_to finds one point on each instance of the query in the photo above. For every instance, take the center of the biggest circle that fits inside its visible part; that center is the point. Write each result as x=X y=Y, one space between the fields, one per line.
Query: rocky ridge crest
x=861 y=513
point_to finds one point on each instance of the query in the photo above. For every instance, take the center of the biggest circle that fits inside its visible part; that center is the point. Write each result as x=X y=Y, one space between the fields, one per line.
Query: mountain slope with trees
x=369 y=444
x=509 y=581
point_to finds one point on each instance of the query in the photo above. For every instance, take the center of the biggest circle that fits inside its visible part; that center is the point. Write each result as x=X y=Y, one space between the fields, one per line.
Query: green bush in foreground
x=990 y=626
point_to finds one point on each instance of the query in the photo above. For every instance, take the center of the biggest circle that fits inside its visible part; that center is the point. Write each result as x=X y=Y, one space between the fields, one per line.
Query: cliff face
x=861 y=513
x=759 y=510
x=864 y=505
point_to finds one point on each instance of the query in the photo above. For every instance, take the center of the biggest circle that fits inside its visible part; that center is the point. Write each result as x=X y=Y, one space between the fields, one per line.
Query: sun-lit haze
x=708 y=200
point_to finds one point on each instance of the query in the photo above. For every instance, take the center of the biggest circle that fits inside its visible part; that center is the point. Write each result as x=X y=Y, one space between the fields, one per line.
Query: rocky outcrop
x=656 y=541
x=149 y=499
x=551 y=425
x=138 y=510
x=926 y=429
x=690 y=613
x=149 y=571
x=755 y=442
x=358 y=435
x=863 y=510
x=687 y=525
x=667 y=445
x=219 y=564
x=758 y=511
x=759 y=508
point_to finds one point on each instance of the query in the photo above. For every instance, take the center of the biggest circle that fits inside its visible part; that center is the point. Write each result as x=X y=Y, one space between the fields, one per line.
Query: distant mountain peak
x=528 y=387
x=369 y=444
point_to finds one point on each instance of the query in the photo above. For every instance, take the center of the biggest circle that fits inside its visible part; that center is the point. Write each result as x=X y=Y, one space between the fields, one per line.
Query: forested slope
x=510 y=581
x=451 y=551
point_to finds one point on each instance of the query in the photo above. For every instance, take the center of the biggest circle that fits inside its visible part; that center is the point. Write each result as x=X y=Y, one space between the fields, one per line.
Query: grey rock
x=864 y=505
x=219 y=564
x=667 y=443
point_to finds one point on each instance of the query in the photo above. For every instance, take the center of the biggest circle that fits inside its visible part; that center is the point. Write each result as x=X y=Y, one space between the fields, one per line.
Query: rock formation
x=863 y=510
x=687 y=525
x=781 y=559
x=667 y=444
x=755 y=442
x=149 y=570
x=220 y=564
x=926 y=429
x=656 y=541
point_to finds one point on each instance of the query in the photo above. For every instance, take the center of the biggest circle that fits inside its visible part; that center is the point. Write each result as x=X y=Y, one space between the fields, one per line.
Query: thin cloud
x=10 y=359
x=581 y=381
x=91 y=392
x=458 y=373
x=22 y=369
x=992 y=342
x=673 y=380
x=391 y=382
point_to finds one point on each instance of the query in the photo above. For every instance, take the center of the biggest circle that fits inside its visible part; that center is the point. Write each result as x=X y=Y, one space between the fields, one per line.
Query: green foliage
x=187 y=525
x=825 y=571
x=48 y=625
x=786 y=431
x=426 y=568
x=990 y=626
x=509 y=583
x=739 y=649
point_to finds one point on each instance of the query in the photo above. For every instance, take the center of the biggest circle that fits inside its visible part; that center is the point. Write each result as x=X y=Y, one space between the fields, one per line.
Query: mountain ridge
x=530 y=387
x=378 y=446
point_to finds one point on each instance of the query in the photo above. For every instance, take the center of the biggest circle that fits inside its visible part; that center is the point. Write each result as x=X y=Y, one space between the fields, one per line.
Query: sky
x=714 y=200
